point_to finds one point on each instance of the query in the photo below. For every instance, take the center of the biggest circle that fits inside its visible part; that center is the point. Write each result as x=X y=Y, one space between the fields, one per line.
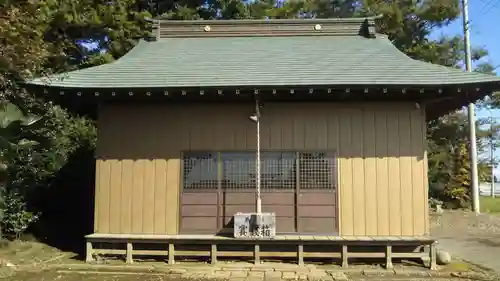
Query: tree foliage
x=45 y=36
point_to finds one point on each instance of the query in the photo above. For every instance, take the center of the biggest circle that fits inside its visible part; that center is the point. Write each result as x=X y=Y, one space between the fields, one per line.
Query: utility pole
x=492 y=154
x=492 y=161
x=471 y=112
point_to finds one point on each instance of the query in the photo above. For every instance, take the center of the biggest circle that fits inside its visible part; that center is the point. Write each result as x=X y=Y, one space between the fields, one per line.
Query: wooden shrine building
x=342 y=134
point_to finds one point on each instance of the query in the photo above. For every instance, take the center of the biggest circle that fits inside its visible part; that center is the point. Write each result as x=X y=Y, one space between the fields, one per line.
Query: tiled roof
x=312 y=59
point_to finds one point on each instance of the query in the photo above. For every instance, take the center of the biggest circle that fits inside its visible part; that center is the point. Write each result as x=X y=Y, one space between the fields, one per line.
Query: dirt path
x=474 y=238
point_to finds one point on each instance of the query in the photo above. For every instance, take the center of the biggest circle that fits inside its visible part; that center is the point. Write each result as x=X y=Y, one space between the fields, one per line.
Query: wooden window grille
x=236 y=170
x=318 y=170
x=200 y=170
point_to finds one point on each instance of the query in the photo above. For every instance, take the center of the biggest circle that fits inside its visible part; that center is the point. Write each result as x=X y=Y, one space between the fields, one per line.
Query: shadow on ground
x=67 y=206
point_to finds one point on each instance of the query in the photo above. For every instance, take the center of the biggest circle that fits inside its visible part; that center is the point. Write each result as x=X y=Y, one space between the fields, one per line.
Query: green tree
x=28 y=49
x=13 y=138
x=12 y=121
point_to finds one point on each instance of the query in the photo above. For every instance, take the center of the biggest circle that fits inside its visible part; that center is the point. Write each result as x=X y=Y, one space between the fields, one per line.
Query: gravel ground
x=471 y=237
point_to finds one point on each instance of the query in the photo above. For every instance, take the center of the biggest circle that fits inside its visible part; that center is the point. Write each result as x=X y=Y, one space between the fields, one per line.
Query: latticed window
x=236 y=170
x=200 y=170
x=317 y=170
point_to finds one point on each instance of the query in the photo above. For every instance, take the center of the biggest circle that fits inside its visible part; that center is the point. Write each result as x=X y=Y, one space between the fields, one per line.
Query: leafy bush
x=433 y=202
x=16 y=217
x=33 y=170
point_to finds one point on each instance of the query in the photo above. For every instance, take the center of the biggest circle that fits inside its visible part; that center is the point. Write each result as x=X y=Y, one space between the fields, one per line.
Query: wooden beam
x=388 y=257
x=130 y=249
x=89 y=252
x=432 y=257
x=213 y=254
x=256 y=254
x=300 y=254
x=345 y=257
x=171 y=253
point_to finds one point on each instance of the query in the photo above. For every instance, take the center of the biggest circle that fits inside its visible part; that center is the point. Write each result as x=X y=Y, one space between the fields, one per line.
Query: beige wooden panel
x=358 y=173
x=345 y=174
x=419 y=195
x=172 y=195
x=382 y=170
x=138 y=196
x=426 y=180
x=381 y=166
x=97 y=196
x=148 y=194
x=115 y=196
x=405 y=172
x=370 y=169
x=160 y=198
x=394 y=173
x=126 y=195
x=103 y=197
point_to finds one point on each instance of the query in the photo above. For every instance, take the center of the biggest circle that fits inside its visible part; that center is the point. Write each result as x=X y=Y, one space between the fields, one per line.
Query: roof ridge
x=363 y=26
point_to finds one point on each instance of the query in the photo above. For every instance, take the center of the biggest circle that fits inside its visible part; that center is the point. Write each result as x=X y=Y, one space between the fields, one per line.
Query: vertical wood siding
x=381 y=148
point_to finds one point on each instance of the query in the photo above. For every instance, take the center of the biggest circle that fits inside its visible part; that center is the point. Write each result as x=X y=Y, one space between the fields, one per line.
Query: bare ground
x=465 y=235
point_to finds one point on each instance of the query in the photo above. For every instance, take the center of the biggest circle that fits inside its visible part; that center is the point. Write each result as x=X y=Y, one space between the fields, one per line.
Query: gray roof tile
x=265 y=61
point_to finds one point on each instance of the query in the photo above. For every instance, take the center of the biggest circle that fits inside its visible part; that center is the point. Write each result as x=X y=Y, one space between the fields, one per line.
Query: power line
x=486 y=10
x=485 y=7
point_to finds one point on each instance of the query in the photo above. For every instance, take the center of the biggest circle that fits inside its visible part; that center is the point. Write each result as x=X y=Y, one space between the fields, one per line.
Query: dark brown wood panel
x=280 y=210
x=199 y=210
x=317 y=197
x=282 y=197
x=317 y=212
x=311 y=211
x=317 y=225
x=282 y=204
x=239 y=197
x=198 y=224
x=285 y=224
x=230 y=210
x=199 y=198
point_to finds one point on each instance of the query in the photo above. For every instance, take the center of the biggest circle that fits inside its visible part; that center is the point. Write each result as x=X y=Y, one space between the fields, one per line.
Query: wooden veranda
x=300 y=247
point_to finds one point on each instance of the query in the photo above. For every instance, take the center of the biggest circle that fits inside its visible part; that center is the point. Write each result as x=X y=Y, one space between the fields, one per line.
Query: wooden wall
x=381 y=148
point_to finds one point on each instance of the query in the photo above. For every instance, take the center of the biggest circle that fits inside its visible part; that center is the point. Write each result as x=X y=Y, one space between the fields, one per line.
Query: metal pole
x=257 y=165
x=492 y=172
x=471 y=112
x=492 y=156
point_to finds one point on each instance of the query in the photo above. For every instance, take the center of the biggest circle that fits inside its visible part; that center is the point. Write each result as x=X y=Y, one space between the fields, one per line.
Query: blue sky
x=484 y=31
x=484 y=18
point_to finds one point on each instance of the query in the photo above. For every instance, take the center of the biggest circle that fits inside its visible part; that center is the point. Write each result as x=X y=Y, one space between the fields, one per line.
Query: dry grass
x=489 y=204
x=458 y=266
